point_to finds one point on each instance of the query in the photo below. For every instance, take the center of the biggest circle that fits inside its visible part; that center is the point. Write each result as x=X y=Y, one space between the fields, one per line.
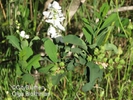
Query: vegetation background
x=94 y=61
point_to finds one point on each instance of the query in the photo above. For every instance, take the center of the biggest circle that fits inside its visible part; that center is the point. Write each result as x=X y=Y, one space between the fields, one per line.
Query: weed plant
x=92 y=60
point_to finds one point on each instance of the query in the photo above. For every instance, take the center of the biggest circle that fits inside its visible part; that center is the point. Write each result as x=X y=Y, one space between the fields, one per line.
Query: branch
x=3 y=11
x=72 y=9
x=121 y=9
x=31 y=11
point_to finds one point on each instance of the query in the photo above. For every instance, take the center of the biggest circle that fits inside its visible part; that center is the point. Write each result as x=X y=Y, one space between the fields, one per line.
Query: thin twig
x=31 y=11
x=46 y=4
x=40 y=26
x=3 y=11
x=121 y=9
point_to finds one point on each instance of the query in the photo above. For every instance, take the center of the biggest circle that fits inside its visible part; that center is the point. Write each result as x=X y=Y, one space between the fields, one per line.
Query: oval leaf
x=51 y=50
x=14 y=41
x=95 y=71
x=28 y=78
x=75 y=40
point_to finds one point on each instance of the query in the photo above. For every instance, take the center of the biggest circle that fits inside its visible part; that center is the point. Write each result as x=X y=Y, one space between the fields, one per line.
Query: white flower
x=56 y=23
x=46 y=14
x=23 y=35
x=53 y=32
x=27 y=36
x=54 y=5
x=55 y=17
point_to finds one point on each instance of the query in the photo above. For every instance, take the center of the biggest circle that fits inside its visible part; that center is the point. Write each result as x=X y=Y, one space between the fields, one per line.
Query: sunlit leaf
x=109 y=20
x=88 y=36
x=104 y=9
x=24 y=44
x=85 y=20
x=25 y=53
x=18 y=70
x=51 y=50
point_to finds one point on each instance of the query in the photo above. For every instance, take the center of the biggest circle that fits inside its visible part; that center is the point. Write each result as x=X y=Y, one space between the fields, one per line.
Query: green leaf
x=109 y=20
x=85 y=20
x=25 y=53
x=24 y=44
x=89 y=29
x=75 y=40
x=45 y=69
x=88 y=36
x=104 y=9
x=34 y=61
x=82 y=60
x=35 y=38
x=76 y=50
x=28 y=78
x=93 y=46
x=56 y=78
x=88 y=86
x=23 y=63
x=100 y=38
x=14 y=41
x=18 y=70
x=70 y=66
x=44 y=39
x=95 y=71
x=51 y=50
x=110 y=46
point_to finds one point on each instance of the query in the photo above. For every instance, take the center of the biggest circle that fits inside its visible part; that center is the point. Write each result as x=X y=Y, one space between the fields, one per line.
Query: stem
x=31 y=11
x=3 y=11
x=121 y=9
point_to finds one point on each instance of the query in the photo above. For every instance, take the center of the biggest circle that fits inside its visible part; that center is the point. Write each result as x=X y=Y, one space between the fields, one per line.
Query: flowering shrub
x=28 y=60
x=69 y=60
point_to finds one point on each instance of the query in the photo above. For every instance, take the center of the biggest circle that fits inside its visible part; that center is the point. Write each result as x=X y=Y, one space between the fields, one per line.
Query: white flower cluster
x=55 y=17
x=23 y=35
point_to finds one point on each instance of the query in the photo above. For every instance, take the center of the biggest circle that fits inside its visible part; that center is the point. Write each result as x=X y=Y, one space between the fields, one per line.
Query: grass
x=117 y=81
